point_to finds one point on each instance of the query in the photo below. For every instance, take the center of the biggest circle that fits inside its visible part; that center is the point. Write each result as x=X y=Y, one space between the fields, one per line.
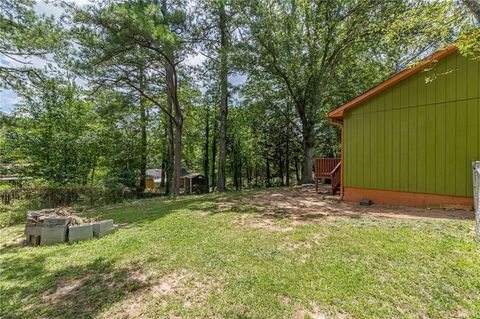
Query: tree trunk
x=268 y=172
x=169 y=160
x=297 y=174
x=214 y=153
x=280 y=169
x=143 y=127
x=287 y=161
x=474 y=7
x=223 y=98
x=287 y=147
x=169 y=152
x=206 y=163
x=163 y=175
x=172 y=87
x=307 y=167
x=178 y=153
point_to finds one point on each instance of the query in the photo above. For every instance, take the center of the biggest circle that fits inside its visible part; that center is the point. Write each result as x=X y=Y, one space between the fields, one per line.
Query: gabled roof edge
x=338 y=113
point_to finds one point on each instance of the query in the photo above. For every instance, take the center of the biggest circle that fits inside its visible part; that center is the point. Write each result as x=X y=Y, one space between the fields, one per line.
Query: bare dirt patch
x=187 y=287
x=316 y=312
x=300 y=205
x=60 y=296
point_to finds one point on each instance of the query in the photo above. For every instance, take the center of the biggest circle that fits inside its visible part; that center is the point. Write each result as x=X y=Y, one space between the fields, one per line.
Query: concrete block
x=53 y=235
x=103 y=227
x=80 y=232
x=55 y=221
x=33 y=240
x=109 y=231
x=33 y=230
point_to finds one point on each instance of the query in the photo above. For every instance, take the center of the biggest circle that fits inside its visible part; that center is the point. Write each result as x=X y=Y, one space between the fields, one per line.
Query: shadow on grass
x=148 y=210
x=75 y=292
x=305 y=205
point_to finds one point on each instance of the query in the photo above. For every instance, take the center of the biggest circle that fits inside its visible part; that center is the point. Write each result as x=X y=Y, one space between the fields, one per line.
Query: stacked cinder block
x=80 y=232
x=50 y=226
x=104 y=227
x=54 y=230
x=33 y=230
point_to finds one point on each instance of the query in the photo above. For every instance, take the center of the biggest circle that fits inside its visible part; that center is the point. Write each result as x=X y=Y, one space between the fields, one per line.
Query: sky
x=8 y=98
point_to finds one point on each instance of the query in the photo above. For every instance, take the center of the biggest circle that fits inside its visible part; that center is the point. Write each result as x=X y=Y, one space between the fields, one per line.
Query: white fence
x=476 y=196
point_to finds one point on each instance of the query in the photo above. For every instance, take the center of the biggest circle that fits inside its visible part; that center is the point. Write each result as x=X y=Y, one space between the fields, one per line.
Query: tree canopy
x=235 y=90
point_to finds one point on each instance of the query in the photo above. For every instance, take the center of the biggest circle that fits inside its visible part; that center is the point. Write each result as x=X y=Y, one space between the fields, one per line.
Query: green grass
x=194 y=258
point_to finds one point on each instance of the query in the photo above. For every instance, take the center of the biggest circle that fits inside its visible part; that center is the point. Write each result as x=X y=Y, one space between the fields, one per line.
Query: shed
x=155 y=176
x=411 y=140
x=194 y=183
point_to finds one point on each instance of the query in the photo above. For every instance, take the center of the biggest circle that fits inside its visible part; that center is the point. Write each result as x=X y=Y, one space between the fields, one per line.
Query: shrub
x=14 y=213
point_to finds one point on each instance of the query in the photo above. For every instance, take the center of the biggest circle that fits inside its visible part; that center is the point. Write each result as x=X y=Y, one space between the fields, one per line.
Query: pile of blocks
x=45 y=228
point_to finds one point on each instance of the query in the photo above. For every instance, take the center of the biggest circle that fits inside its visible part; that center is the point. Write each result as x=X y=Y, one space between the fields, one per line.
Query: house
x=411 y=140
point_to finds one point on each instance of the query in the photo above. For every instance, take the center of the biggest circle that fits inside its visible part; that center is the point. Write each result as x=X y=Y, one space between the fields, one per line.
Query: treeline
x=235 y=90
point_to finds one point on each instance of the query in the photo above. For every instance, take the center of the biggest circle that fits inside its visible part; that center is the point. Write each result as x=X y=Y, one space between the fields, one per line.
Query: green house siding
x=418 y=135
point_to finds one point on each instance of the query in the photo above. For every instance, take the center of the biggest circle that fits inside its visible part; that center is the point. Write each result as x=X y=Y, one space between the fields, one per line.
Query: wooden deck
x=329 y=169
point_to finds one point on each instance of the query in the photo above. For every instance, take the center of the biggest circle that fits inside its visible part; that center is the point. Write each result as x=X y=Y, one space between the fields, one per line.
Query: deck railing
x=328 y=168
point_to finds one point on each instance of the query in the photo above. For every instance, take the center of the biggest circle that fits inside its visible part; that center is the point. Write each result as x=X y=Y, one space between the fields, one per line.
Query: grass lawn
x=282 y=253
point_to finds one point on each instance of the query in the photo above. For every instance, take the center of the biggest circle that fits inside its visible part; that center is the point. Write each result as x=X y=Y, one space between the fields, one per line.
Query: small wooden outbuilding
x=156 y=177
x=194 y=183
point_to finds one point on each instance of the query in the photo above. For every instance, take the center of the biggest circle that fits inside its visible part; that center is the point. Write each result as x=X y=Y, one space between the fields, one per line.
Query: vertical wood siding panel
x=388 y=150
x=367 y=124
x=422 y=89
x=353 y=150
x=396 y=114
x=403 y=94
x=388 y=99
x=413 y=91
x=381 y=143
x=412 y=148
x=359 y=160
x=451 y=79
x=472 y=79
x=404 y=149
x=421 y=149
x=440 y=148
x=352 y=170
x=440 y=88
x=421 y=133
x=430 y=149
x=374 y=149
x=353 y=154
x=346 y=150
x=472 y=140
x=361 y=150
x=396 y=97
x=461 y=78
x=461 y=149
x=450 y=148
x=430 y=91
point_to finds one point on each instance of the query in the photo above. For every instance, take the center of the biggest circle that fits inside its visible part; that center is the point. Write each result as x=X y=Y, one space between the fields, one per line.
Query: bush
x=14 y=213
x=15 y=202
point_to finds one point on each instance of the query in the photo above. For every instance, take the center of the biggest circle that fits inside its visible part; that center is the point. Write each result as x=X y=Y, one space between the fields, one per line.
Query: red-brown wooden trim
x=339 y=112
x=395 y=198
